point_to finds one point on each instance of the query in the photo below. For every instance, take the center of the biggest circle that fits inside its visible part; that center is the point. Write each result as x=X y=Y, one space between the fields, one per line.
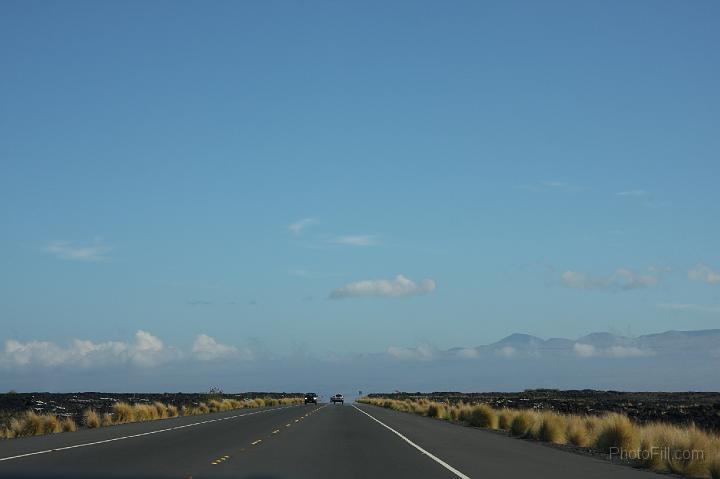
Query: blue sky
x=543 y=168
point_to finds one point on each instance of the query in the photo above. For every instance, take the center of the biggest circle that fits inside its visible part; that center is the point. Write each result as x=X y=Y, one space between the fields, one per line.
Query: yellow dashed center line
x=225 y=458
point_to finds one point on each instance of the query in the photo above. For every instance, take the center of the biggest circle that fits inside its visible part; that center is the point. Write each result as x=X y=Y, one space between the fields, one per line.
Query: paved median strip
x=428 y=454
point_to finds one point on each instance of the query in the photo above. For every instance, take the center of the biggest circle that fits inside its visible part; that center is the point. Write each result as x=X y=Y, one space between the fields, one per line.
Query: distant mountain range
x=600 y=344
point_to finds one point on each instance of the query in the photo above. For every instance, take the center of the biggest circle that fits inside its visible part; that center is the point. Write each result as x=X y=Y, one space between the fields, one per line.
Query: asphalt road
x=297 y=442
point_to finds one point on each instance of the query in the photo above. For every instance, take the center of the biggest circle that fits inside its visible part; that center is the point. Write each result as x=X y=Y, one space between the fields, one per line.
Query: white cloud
x=355 y=240
x=468 y=353
x=704 y=273
x=207 y=349
x=636 y=193
x=424 y=352
x=70 y=251
x=690 y=307
x=145 y=350
x=623 y=279
x=584 y=350
x=296 y=227
x=506 y=352
x=627 y=352
x=618 y=351
x=395 y=288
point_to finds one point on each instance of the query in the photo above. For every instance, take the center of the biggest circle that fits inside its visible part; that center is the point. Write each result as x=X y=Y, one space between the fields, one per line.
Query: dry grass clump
x=34 y=424
x=91 y=418
x=483 y=416
x=162 y=409
x=576 y=431
x=124 y=413
x=617 y=431
x=68 y=425
x=683 y=442
x=465 y=413
x=31 y=423
x=16 y=428
x=434 y=409
x=552 y=428
x=505 y=418
x=172 y=410
x=521 y=423
x=145 y=412
x=107 y=420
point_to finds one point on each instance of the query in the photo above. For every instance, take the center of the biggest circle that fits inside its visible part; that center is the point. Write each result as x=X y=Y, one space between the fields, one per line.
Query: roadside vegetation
x=661 y=447
x=31 y=423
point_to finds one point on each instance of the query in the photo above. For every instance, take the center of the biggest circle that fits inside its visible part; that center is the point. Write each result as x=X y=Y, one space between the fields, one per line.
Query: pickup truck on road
x=337 y=398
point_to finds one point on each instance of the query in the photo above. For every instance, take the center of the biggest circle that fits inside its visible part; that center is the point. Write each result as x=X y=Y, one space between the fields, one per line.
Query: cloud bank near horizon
x=145 y=350
x=146 y=363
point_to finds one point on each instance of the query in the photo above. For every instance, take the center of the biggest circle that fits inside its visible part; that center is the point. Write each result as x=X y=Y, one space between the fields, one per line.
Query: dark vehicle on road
x=311 y=398
x=337 y=398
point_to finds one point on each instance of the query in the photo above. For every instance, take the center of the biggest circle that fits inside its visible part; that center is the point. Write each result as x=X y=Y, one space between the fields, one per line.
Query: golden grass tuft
x=172 y=410
x=433 y=409
x=162 y=409
x=51 y=424
x=107 y=420
x=522 y=423
x=34 y=424
x=465 y=413
x=144 y=412
x=483 y=416
x=552 y=428
x=576 y=431
x=91 y=418
x=681 y=459
x=16 y=427
x=505 y=418
x=68 y=425
x=124 y=413
x=617 y=431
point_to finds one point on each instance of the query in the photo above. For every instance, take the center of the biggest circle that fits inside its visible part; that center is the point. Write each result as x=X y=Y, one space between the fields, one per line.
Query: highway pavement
x=323 y=441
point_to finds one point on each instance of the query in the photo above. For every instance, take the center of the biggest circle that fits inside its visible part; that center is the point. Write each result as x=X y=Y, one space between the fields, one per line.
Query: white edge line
x=430 y=455
x=138 y=435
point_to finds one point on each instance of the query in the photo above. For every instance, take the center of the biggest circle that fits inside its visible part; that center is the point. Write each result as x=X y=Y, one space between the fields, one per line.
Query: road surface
x=311 y=441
